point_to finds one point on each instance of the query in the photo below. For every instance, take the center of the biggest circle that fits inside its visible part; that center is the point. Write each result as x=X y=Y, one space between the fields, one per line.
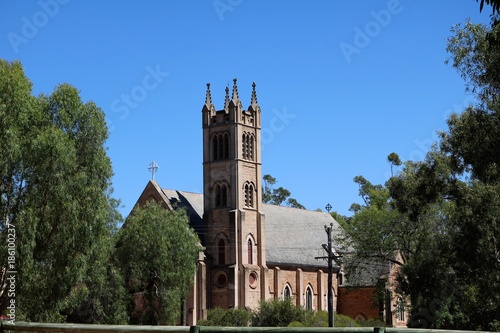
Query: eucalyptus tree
x=55 y=192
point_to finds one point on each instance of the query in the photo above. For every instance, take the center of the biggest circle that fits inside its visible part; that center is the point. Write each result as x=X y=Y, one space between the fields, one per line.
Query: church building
x=252 y=251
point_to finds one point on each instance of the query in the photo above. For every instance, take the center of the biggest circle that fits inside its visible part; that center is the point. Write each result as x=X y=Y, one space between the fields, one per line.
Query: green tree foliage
x=55 y=191
x=442 y=214
x=495 y=5
x=341 y=219
x=277 y=196
x=377 y=231
x=157 y=253
x=394 y=160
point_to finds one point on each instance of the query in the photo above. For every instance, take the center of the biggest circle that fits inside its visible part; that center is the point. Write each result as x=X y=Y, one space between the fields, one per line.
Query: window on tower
x=215 y=156
x=223 y=195
x=220 y=191
x=249 y=192
x=221 y=251
x=220 y=146
x=250 y=251
x=247 y=145
x=226 y=145
x=217 y=190
x=250 y=154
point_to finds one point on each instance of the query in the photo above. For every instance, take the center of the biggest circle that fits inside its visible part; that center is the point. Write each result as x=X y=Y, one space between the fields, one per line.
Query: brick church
x=255 y=251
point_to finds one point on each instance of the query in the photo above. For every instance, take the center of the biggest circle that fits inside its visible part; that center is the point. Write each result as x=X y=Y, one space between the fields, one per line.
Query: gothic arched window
x=223 y=196
x=248 y=195
x=400 y=309
x=226 y=146
x=220 y=146
x=287 y=292
x=247 y=146
x=309 y=298
x=220 y=192
x=215 y=156
x=221 y=251
x=250 y=251
x=217 y=190
x=250 y=155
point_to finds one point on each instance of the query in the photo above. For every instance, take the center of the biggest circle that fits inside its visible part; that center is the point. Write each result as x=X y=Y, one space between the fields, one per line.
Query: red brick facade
x=358 y=303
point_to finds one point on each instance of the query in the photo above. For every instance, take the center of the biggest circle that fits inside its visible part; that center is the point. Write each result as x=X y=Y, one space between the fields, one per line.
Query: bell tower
x=234 y=223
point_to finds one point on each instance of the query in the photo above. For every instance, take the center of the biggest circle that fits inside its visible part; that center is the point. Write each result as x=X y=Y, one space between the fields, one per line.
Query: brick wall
x=354 y=302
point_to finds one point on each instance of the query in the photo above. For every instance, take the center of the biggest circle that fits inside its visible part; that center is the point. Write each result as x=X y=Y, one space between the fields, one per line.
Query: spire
x=254 y=96
x=226 y=101
x=208 y=98
x=235 y=91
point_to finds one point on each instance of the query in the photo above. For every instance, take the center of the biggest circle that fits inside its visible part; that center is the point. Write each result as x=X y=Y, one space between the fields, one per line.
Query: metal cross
x=328 y=208
x=153 y=167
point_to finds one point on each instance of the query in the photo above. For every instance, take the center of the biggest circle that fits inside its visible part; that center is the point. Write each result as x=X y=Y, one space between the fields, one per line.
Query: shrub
x=277 y=313
x=226 y=317
x=295 y=324
x=320 y=319
x=344 y=321
x=371 y=323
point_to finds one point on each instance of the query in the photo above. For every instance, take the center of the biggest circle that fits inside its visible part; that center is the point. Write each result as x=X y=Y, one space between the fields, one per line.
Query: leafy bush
x=295 y=324
x=226 y=317
x=371 y=323
x=316 y=319
x=277 y=313
x=345 y=321
x=320 y=319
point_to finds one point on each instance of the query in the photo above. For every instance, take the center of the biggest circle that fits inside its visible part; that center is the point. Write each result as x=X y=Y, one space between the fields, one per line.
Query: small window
x=222 y=252
x=220 y=195
x=214 y=148
x=247 y=147
x=220 y=146
x=223 y=196
x=250 y=157
x=247 y=144
x=250 y=252
x=218 y=198
x=287 y=292
x=309 y=298
x=400 y=309
x=243 y=146
x=248 y=189
x=226 y=146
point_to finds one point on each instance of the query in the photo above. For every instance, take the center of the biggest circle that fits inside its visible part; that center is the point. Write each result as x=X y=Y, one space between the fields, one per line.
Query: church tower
x=233 y=219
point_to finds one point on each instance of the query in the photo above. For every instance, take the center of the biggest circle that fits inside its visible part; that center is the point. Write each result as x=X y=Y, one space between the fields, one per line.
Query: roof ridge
x=171 y=189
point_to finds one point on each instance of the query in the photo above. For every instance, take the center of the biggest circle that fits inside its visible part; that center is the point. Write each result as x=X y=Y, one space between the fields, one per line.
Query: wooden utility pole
x=331 y=257
x=330 y=276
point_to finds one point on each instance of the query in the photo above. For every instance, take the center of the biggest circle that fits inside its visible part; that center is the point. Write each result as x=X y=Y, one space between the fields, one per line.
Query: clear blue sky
x=341 y=84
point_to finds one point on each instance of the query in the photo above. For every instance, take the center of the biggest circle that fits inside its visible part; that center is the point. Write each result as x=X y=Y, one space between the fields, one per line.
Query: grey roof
x=365 y=272
x=293 y=236
x=192 y=202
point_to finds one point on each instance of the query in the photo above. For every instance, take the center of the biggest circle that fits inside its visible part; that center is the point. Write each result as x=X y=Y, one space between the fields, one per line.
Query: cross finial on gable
x=153 y=167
